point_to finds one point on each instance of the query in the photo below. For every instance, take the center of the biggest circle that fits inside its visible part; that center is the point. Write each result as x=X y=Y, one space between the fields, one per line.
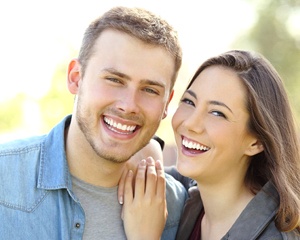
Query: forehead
x=220 y=83
x=133 y=57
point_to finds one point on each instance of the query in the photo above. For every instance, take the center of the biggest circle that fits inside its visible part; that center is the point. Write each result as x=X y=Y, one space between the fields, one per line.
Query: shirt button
x=77 y=225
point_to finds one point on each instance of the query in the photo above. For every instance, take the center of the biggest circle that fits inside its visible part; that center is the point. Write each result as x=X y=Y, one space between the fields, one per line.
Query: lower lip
x=190 y=152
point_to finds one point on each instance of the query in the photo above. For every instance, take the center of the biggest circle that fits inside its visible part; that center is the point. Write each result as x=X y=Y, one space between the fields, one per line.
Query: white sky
x=38 y=35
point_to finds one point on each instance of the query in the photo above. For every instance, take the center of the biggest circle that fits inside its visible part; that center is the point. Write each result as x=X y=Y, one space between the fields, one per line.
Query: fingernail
x=150 y=161
x=143 y=162
x=121 y=200
x=130 y=173
x=158 y=163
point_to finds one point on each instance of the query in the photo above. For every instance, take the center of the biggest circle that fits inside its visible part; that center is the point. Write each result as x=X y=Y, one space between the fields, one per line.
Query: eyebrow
x=123 y=75
x=212 y=102
x=116 y=72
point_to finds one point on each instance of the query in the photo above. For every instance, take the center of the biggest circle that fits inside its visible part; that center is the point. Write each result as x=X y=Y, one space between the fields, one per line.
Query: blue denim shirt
x=36 y=198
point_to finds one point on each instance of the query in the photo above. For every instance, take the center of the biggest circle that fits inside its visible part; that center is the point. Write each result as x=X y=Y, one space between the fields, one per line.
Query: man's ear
x=254 y=148
x=74 y=76
x=166 y=108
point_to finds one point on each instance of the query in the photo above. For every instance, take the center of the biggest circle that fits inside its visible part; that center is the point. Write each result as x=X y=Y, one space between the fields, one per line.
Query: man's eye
x=115 y=80
x=151 y=90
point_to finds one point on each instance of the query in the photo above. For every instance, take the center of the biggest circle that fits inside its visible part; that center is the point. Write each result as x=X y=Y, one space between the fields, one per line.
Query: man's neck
x=87 y=166
x=101 y=173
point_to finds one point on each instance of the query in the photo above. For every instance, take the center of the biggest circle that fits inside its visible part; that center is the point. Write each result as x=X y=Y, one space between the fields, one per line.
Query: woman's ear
x=74 y=76
x=254 y=148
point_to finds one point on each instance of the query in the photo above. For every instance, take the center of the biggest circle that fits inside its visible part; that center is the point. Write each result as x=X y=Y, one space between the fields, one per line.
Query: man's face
x=123 y=94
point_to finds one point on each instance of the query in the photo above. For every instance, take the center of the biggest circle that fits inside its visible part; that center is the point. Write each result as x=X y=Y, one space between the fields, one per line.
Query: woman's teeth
x=194 y=145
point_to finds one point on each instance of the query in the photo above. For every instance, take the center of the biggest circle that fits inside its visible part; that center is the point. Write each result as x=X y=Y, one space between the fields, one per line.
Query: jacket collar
x=260 y=211
x=53 y=170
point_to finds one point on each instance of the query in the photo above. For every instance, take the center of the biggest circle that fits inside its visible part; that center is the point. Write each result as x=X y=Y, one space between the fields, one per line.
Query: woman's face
x=210 y=127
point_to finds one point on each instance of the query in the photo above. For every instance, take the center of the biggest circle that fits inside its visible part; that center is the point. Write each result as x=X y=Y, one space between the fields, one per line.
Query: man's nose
x=129 y=102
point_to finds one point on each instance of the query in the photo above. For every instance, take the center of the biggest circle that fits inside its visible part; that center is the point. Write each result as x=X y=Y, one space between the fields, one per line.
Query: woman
x=237 y=139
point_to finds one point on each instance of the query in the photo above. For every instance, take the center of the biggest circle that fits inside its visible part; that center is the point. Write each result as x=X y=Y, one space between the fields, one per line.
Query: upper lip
x=189 y=143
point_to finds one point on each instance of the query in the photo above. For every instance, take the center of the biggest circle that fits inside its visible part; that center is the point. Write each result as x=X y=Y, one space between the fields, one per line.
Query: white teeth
x=194 y=145
x=120 y=126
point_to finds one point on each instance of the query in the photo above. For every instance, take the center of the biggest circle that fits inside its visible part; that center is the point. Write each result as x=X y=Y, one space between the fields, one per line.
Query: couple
x=236 y=139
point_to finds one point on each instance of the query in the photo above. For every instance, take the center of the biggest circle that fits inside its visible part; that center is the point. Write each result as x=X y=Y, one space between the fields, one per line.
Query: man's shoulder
x=18 y=171
x=176 y=195
x=174 y=186
x=24 y=148
x=19 y=152
x=18 y=155
x=19 y=146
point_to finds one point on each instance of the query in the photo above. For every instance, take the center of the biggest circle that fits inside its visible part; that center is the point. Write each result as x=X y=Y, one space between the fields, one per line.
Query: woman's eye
x=218 y=114
x=187 y=101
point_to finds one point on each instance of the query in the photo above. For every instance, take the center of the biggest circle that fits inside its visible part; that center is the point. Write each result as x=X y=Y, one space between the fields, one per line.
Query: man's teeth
x=120 y=126
x=194 y=145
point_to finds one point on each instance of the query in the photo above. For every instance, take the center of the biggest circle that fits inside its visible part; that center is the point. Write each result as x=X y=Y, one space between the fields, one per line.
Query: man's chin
x=115 y=158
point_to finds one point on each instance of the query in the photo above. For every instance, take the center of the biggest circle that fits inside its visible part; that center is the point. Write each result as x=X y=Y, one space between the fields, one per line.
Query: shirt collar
x=53 y=170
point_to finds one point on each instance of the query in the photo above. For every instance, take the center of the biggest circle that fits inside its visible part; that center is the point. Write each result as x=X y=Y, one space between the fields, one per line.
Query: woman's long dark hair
x=271 y=120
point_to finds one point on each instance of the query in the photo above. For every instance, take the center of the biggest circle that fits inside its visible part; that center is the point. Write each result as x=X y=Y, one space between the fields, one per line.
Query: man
x=64 y=185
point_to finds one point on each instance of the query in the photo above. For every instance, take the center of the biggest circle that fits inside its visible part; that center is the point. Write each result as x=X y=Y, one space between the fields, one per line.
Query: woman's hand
x=144 y=208
x=152 y=149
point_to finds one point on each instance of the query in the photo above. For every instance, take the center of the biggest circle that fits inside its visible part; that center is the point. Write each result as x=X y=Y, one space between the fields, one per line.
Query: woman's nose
x=194 y=122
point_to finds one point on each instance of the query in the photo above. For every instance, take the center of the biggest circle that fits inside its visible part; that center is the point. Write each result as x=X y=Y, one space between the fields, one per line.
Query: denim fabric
x=36 y=198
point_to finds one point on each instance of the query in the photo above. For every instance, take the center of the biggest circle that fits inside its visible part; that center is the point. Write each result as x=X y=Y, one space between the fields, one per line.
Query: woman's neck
x=223 y=203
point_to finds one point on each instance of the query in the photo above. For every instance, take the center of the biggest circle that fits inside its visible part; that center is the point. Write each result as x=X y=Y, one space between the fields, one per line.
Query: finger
x=161 y=181
x=151 y=178
x=128 y=191
x=140 y=180
x=122 y=214
x=121 y=187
